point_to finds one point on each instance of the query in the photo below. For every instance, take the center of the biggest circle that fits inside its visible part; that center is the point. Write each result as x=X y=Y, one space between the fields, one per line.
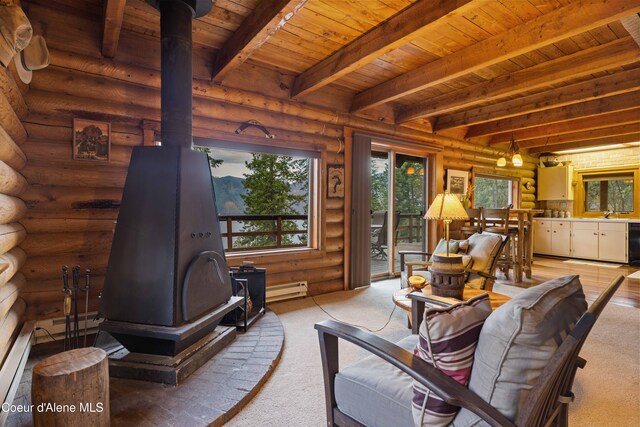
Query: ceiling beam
x=580 y=136
x=111 y=26
x=600 y=58
x=616 y=118
x=262 y=24
x=595 y=107
x=632 y=25
x=622 y=139
x=614 y=84
x=567 y=21
x=391 y=34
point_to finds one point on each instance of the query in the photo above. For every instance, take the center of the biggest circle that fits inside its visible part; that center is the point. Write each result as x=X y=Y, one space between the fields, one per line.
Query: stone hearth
x=211 y=396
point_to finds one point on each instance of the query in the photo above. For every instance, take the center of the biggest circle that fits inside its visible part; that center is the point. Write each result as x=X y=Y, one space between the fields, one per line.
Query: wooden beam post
x=265 y=20
x=398 y=30
x=112 y=24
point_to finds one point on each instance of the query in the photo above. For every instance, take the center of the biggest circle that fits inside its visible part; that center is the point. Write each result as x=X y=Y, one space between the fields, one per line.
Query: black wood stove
x=167 y=283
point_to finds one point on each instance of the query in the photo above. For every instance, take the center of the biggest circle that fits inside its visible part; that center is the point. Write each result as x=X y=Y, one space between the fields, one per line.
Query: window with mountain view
x=263 y=198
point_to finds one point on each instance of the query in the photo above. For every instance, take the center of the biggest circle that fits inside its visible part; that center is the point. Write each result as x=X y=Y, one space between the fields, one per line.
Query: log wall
x=12 y=209
x=71 y=204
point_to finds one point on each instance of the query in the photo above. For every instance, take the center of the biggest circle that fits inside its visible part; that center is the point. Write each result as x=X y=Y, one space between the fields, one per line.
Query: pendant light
x=514 y=152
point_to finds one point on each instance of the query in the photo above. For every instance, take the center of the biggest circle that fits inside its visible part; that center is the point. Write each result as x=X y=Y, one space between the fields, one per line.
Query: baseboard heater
x=286 y=291
x=56 y=326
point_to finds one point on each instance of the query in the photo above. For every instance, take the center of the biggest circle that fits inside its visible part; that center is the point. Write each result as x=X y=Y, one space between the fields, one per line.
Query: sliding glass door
x=381 y=215
x=410 y=179
x=398 y=183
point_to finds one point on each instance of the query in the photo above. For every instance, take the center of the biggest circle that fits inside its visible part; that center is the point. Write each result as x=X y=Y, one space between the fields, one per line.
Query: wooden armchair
x=484 y=250
x=546 y=404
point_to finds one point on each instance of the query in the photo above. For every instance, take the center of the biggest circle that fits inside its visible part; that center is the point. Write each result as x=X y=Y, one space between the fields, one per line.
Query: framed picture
x=335 y=181
x=91 y=140
x=457 y=181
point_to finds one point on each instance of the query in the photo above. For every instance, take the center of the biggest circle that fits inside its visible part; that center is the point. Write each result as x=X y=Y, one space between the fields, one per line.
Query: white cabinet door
x=555 y=183
x=541 y=237
x=612 y=245
x=561 y=241
x=584 y=240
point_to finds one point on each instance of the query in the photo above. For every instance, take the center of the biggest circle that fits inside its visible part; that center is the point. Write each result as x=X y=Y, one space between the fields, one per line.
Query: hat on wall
x=33 y=57
x=15 y=31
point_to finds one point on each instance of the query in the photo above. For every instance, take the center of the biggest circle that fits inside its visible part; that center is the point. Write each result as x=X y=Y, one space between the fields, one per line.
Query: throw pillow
x=447 y=340
x=441 y=248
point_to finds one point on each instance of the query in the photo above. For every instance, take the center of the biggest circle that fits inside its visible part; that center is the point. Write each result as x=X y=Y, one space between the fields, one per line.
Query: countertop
x=634 y=220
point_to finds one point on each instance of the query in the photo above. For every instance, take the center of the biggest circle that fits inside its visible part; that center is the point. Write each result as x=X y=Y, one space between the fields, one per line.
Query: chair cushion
x=518 y=340
x=374 y=392
x=447 y=340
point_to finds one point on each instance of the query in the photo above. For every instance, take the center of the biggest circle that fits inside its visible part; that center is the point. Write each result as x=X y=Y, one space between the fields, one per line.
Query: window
x=495 y=192
x=608 y=192
x=264 y=196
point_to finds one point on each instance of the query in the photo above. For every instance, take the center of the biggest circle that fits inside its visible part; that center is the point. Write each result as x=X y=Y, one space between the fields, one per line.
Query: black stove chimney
x=176 y=65
x=167 y=283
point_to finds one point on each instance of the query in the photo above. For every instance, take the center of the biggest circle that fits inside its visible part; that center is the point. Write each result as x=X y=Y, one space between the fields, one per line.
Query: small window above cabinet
x=555 y=183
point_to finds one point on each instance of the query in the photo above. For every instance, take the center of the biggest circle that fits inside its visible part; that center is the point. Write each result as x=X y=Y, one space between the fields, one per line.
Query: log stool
x=447 y=275
x=71 y=389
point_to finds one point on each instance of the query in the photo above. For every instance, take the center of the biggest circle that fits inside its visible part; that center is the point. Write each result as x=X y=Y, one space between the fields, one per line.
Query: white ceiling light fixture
x=598 y=148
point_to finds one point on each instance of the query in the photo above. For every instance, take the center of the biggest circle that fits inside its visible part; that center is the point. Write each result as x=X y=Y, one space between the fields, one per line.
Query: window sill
x=275 y=255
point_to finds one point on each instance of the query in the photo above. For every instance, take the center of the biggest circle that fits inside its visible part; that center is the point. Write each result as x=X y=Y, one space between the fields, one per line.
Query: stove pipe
x=176 y=66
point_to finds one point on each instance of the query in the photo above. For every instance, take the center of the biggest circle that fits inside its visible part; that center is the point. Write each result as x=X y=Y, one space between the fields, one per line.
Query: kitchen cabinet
x=561 y=238
x=552 y=238
x=555 y=183
x=612 y=241
x=604 y=240
x=542 y=237
x=584 y=239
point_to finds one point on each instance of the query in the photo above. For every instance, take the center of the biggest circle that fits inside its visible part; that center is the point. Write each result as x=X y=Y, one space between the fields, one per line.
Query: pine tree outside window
x=264 y=198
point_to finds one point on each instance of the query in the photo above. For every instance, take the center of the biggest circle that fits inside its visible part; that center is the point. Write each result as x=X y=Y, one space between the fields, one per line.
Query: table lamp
x=446 y=207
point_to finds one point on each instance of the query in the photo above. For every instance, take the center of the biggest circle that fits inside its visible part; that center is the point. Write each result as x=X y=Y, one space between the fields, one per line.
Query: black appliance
x=634 y=244
x=167 y=283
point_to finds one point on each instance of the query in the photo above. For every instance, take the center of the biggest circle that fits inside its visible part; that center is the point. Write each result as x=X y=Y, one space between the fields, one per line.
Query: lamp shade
x=517 y=160
x=446 y=206
x=502 y=162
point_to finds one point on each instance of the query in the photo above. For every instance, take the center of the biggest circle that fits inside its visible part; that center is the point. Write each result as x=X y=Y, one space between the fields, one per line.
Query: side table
x=404 y=300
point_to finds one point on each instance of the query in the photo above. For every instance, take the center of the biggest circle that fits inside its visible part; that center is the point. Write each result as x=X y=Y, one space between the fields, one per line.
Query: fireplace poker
x=67 y=307
x=76 y=282
x=87 y=280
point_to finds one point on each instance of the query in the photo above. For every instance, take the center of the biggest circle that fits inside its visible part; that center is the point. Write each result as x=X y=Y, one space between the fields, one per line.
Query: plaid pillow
x=448 y=338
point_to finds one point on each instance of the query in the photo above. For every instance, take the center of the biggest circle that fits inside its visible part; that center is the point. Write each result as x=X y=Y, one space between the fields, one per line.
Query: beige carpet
x=607 y=390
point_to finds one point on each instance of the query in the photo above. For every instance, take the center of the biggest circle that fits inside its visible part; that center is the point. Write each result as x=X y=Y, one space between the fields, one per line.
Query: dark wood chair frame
x=488 y=284
x=546 y=405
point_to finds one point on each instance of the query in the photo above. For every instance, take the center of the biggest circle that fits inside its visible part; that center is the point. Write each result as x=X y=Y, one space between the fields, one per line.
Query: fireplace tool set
x=71 y=296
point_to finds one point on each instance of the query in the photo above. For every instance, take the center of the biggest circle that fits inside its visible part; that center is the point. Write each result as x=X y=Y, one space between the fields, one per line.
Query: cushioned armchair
x=525 y=362
x=480 y=254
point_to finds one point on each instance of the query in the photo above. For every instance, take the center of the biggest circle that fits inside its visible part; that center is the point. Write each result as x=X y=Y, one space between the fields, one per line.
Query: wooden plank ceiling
x=552 y=74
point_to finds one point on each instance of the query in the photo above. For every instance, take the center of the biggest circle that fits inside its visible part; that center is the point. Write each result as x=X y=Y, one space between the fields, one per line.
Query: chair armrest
x=480 y=273
x=403 y=253
x=448 y=389
x=412 y=264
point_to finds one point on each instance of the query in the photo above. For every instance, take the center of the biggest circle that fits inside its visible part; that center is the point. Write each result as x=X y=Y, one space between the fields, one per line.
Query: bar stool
x=474 y=224
x=497 y=221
